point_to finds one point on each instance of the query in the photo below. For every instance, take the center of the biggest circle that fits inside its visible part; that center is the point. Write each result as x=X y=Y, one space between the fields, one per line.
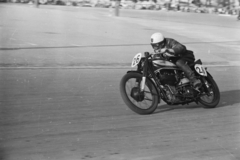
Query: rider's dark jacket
x=180 y=50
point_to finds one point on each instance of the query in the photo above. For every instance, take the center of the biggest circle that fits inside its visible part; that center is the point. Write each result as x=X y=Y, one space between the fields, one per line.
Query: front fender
x=134 y=72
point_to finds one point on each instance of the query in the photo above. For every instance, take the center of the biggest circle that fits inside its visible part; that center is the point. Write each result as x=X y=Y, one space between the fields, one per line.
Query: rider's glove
x=168 y=53
x=164 y=55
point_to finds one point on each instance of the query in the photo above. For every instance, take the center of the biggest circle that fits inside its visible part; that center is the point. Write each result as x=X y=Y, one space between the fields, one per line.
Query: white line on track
x=33 y=44
x=101 y=67
x=75 y=45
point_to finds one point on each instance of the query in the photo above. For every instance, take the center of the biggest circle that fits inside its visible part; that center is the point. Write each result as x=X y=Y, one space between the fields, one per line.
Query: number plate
x=136 y=59
x=200 y=69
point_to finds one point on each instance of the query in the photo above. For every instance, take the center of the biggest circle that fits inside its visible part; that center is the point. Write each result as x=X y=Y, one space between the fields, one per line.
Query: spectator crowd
x=227 y=7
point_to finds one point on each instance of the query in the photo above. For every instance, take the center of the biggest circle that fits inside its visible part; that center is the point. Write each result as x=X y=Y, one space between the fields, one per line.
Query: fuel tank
x=163 y=63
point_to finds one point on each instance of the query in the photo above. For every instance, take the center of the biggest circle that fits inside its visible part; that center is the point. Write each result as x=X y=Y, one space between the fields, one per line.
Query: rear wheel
x=211 y=97
x=140 y=102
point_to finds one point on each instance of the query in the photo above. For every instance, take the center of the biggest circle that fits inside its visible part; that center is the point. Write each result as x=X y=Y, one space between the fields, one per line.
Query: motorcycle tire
x=130 y=102
x=215 y=91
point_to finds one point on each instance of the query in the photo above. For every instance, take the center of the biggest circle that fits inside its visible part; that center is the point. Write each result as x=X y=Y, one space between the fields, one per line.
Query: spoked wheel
x=212 y=96
x=140 y=102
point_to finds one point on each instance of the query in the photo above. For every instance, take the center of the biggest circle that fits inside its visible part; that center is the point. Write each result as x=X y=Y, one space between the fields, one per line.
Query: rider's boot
x=190 y=75
x=195 y=82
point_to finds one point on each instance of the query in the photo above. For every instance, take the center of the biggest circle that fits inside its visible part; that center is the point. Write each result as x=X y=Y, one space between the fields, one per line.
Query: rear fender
x=209 y=75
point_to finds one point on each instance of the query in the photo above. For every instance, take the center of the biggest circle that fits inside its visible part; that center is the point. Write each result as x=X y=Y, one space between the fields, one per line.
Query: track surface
x=60 y=74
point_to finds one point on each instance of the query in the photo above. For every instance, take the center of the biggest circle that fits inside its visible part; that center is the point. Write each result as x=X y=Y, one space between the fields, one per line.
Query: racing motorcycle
x=156 y=79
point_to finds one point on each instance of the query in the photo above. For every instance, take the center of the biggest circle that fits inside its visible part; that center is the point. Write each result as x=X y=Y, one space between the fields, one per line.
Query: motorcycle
x=160 y=79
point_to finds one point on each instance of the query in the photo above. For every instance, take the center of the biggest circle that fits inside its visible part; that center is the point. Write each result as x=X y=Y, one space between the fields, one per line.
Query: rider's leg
x=181 y=63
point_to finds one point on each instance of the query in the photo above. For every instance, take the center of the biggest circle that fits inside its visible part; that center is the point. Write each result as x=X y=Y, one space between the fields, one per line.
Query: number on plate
x=136 y=59
x=200 y=70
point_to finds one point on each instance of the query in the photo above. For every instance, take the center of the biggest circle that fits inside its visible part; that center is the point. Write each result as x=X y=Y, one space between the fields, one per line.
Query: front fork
x=145 y=72
x=143 y=83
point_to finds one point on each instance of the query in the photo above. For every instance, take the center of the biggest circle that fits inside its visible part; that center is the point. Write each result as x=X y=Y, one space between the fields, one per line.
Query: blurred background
x=227 y=7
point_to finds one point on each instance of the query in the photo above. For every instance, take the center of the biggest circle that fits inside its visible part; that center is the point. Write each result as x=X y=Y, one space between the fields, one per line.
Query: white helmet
x=157 y=42
x=157 y=38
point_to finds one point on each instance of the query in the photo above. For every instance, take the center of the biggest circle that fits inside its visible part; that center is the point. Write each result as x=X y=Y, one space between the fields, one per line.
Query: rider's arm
x=176 y=49
x=170 y=53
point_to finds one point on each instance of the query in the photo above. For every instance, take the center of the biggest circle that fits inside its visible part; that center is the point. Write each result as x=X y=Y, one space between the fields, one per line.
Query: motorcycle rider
x=176 y=52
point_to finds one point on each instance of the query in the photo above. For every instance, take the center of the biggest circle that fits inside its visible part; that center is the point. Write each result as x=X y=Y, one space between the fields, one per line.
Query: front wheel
x=140 y=102
x=211 y=97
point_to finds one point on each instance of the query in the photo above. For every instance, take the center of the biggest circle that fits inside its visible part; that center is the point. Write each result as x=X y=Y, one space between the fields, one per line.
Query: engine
x=179 y=94
x=167 y=76
x=176 y=85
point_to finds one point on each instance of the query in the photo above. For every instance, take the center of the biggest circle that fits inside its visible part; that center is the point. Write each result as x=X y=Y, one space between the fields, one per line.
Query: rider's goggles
x=158 y=45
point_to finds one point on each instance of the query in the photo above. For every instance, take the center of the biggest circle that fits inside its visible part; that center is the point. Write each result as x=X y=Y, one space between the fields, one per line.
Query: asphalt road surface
x=59 y=82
